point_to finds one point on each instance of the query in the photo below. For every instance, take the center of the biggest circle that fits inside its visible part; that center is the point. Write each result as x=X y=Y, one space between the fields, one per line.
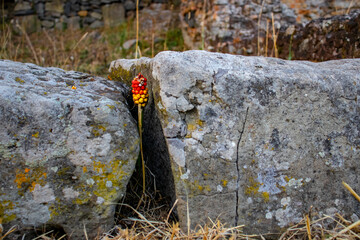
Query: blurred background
x=87 y=35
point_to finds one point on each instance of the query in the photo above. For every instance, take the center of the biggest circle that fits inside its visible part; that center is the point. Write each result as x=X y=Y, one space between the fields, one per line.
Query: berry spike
x=138 y=85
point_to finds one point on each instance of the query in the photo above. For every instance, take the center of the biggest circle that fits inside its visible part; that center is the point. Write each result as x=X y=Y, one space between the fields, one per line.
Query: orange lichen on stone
x=21 y=178
x=30 y=178
x=36 y=135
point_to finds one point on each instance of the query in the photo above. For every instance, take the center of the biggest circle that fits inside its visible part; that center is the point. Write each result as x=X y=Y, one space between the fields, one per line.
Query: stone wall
x=248 y=27
x=61 y=14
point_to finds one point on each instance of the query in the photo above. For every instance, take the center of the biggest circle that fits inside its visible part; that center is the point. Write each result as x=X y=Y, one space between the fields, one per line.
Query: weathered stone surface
x=253 y=140
x=113 y=14
x=66 y=155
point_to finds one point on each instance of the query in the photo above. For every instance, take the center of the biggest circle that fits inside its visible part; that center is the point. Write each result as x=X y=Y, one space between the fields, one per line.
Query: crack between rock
x=238 y=168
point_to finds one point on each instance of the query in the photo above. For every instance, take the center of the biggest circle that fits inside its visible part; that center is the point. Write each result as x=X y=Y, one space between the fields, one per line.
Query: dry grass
x=85 y=50
x=153 y=223
x=154 y=219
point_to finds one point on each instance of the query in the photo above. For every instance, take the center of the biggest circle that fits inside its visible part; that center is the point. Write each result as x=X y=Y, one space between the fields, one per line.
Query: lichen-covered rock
x=253 y=140
x=66 y=154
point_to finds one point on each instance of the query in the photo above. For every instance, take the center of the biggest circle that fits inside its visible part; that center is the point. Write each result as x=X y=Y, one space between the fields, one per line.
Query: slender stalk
x=137 y=29
x=351 y=191
x=274 y=36
x=308 y=229
x=267 y=37
x=141 y=145
x=30 y=44
x=203 y=27
x=348 y=10
x=152 y=44
x=258 y=33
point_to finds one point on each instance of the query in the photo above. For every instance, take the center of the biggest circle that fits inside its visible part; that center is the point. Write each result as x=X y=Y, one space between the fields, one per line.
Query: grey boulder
x=66 y=154
x=253 y=140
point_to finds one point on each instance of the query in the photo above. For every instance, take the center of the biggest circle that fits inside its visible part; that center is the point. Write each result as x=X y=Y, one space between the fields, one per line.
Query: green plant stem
x=141 y=146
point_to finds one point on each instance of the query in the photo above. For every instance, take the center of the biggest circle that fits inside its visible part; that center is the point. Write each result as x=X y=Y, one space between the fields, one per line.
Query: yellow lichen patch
x=19 y=80
x=84 y=169
x=266 y=196
x=112 y=107
x=191 y=127
x=253 y=187
x=58 y=208
x=6 y=205
x=36 y=135
x=81 y=200
x=196 y=188
x=224 y=182
x=98 y=130
x=109 y=178
x=53 y=211
x=199 y=122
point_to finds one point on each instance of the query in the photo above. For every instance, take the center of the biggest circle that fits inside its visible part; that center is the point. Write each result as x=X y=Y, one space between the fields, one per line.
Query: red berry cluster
x=139 y=90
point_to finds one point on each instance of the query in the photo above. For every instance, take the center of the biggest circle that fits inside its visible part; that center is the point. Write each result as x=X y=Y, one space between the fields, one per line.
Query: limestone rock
x=252 y=140
x=66 y=155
